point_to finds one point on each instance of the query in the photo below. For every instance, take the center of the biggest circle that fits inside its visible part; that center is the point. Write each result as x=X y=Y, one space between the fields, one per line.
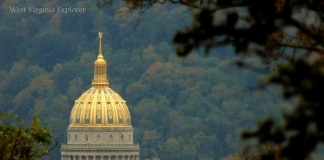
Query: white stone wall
x=95 y=137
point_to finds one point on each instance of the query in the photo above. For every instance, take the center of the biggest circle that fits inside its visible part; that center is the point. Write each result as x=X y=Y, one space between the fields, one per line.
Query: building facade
x=100 y=123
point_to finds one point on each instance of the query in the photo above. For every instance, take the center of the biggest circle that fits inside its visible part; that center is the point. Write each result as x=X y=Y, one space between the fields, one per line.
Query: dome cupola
x=100 y=106
x=100 y=123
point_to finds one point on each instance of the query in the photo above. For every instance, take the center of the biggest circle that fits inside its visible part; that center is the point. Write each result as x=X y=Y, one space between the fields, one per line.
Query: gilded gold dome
x=100 y=106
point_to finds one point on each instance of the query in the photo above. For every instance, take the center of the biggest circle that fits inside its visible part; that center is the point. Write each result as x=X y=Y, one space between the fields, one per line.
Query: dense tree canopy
x=273 y=30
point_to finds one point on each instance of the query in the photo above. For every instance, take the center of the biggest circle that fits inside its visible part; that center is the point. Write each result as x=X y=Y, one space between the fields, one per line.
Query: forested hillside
x=182 y=108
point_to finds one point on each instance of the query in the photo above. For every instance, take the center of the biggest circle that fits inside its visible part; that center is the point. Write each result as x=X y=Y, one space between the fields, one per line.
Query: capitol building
x=100 y=123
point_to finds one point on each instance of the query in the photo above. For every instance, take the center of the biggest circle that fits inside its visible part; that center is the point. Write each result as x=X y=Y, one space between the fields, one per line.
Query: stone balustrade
x=100 y=146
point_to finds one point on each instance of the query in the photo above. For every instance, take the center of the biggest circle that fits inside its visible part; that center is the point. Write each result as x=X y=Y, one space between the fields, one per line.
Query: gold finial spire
x=100 y=78
x=100 y=48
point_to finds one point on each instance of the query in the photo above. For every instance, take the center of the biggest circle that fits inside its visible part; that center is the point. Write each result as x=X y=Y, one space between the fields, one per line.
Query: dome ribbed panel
x=100 y=108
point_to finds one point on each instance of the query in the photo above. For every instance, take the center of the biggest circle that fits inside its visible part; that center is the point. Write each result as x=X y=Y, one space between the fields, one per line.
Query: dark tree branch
x=301 y=47
x=319 y=40
x=55 y=145
x=17 y=142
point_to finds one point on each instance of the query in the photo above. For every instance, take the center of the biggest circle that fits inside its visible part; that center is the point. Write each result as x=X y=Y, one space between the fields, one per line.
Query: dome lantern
x=100 y=79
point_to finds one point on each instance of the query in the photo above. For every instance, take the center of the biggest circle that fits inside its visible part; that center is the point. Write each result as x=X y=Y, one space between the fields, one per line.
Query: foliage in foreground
x=23 y=143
